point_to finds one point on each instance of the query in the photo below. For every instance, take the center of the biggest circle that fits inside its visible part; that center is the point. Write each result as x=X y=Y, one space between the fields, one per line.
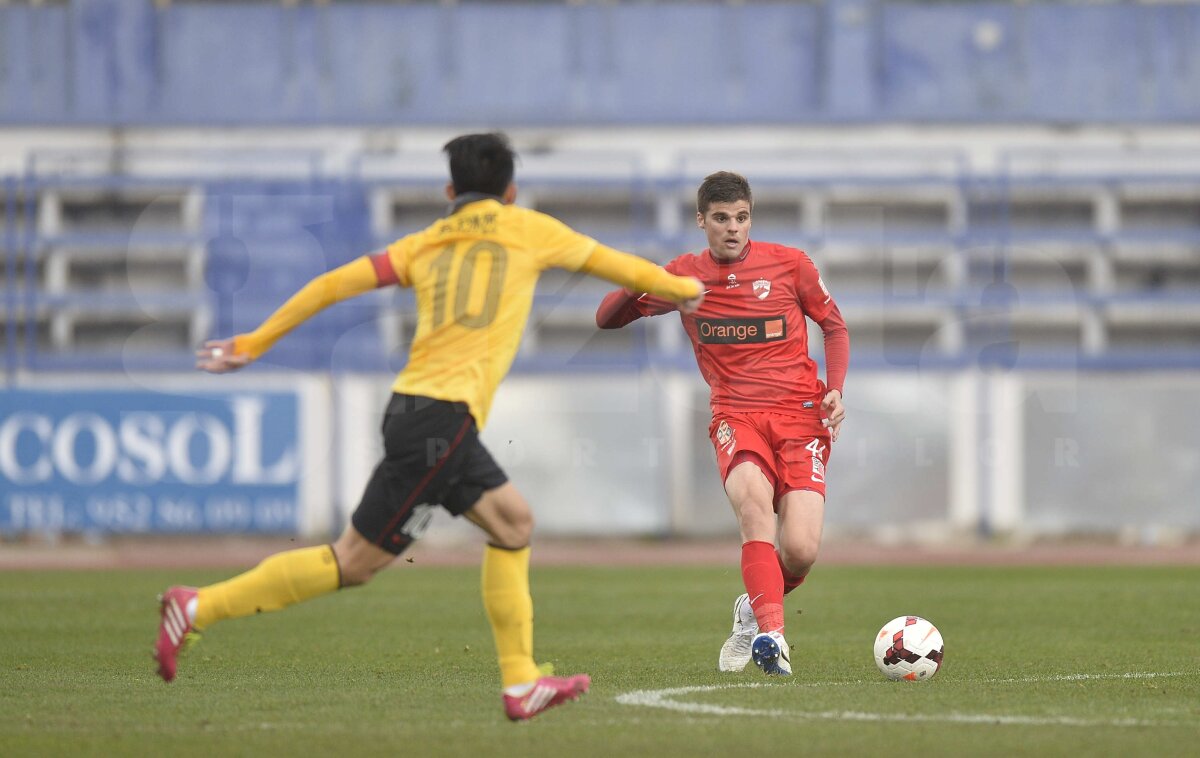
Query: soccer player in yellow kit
x=474 y=273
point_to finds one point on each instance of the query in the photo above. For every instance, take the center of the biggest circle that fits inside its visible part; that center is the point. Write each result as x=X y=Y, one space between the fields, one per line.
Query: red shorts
x=791 y=450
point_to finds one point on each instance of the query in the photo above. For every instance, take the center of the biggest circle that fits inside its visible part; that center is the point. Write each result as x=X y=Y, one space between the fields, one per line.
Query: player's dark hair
x=722 y=187
x=480 y=163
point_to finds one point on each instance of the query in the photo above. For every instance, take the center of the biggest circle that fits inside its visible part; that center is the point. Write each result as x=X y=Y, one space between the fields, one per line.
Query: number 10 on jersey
x=496 y=262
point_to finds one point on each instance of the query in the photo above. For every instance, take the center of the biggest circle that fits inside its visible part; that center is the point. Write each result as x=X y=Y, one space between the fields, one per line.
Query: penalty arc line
x=664 y=699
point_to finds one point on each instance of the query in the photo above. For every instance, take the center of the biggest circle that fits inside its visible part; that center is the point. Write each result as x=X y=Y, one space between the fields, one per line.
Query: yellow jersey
x=474 y=274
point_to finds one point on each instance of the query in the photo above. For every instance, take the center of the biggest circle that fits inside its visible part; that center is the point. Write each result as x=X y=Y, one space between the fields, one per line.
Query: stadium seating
x=130 y=253
x=931 y=262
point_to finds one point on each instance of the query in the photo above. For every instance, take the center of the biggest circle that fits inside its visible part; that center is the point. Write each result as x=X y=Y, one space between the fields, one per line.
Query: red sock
x=790 y=580
x=764 y=583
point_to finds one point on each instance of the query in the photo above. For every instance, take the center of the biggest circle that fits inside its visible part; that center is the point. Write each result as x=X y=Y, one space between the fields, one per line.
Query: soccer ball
x=909 y=647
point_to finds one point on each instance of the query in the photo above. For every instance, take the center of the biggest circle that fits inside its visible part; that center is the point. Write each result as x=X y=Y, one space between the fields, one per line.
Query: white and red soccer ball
x=909 y=647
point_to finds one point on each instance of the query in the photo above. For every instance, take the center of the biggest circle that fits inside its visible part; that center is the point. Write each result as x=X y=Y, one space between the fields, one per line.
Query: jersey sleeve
x=350 y=280
x=624 y=306
x=652 y=305
x=557 y=245
x=837 y=349
x=621 y=307
x=810 y=289
x=639 y=275
x=391 y=266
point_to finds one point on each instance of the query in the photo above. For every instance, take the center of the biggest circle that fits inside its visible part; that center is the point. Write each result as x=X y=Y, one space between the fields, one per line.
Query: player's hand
x=691 y=306
x=217 y=357
x=833 y=413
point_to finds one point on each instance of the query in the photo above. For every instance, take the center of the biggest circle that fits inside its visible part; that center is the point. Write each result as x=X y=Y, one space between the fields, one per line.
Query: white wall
x=921 y=456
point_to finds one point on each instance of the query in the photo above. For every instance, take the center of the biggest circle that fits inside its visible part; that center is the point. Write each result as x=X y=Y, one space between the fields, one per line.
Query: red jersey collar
x=739 y=259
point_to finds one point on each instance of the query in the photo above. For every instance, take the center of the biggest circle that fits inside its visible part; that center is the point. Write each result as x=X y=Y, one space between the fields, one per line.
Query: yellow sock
x=279 y=581
x=510 y=611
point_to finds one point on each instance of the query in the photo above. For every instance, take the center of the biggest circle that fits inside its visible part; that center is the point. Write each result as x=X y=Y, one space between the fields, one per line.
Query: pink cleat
x=173 y=629
x=547 y=692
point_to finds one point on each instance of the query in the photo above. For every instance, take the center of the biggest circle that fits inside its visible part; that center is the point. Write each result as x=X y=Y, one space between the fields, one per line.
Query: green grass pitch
x=1039 y=661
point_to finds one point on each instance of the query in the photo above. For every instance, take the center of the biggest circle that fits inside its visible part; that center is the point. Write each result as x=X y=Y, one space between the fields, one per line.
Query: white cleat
x=771 y=654
x=735 y=653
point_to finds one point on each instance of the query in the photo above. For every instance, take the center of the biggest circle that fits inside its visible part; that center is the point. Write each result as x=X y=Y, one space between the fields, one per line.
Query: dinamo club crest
x=762 y=288
x=725 y=437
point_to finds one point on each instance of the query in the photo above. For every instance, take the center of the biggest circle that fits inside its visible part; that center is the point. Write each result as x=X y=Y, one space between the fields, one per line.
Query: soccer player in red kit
x=773 y=419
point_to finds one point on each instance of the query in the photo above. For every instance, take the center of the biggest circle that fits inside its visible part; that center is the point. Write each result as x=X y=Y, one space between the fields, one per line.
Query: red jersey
x=750 y=336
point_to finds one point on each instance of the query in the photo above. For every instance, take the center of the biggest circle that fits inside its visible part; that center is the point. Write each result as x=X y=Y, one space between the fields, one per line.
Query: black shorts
x=432 y=457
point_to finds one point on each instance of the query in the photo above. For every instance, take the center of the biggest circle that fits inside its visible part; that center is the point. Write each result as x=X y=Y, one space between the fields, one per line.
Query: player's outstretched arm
x=640 y=275
x=618 y=308
x=354 y=278
x=621 y=307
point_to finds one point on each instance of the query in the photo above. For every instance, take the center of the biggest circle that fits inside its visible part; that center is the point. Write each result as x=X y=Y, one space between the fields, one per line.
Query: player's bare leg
x=358 y=558
x=801 y=519
x=279 y=581
x=751 y=494
x=504 y=515
x=506 y=518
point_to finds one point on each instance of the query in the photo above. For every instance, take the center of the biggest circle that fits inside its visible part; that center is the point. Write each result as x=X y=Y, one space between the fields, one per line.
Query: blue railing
x=243 y=245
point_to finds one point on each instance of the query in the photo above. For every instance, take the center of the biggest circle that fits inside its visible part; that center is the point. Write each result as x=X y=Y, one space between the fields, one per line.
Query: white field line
x=665 y=699
x=1088 y=677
